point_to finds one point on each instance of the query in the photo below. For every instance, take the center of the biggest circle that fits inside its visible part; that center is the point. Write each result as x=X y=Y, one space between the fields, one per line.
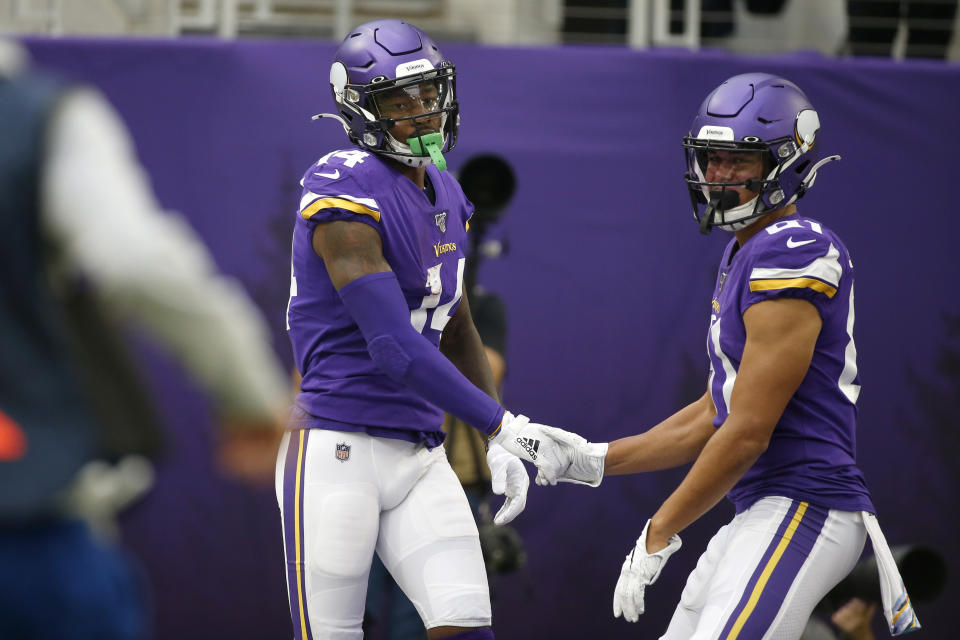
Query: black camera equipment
x=489 y=183
x=502 y=546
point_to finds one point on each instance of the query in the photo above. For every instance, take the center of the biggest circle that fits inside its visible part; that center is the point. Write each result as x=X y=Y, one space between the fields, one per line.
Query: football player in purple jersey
x=775 y=430
x=385 y=344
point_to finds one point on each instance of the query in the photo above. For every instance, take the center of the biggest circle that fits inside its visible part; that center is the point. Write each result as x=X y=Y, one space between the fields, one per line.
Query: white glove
x=639 y=569
x=579 y=461
x=530 y=443
x=509 y=478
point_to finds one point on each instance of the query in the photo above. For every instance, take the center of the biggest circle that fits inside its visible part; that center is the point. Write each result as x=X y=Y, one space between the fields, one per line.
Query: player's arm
x=353 y=255
x=151 y=267
x=352 y=252
x=461 y=344
x=677 y=440
x=781 y=336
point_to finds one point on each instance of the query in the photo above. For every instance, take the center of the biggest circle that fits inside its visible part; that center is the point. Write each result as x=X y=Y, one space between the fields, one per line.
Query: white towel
x=900 y=615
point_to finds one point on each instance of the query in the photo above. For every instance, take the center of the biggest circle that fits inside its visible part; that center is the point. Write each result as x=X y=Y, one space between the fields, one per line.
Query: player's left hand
x=508 y=478
x=639 y=570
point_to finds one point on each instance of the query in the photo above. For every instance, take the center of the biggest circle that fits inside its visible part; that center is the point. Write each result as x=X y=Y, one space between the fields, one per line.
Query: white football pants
x=345 y=495
x=764 y=572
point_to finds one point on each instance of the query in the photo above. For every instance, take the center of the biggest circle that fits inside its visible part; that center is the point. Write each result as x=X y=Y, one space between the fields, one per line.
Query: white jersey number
x=441 y=314
x=350 y=157
x=849 y=373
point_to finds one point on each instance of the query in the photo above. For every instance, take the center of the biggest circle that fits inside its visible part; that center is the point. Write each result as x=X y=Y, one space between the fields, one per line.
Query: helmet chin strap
x=744 y=210
x=718 y=200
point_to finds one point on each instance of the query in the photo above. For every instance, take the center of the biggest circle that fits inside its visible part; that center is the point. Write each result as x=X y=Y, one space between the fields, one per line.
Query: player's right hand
x=520 y=437
x=580 y=462
x=560 y=456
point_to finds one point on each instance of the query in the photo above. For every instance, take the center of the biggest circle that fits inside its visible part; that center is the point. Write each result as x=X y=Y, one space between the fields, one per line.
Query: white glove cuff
x=589 y=463
x=505 y=431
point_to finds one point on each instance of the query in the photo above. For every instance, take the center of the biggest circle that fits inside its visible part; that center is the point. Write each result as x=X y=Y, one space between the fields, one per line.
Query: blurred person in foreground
x=386 y=344
x=775 y=430
x=78 y=220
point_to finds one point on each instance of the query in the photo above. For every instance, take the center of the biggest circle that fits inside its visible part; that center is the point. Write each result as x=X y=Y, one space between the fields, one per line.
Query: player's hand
x=508 y=478
x=577 y=461
x=560 y=456
x=524 y=439
x=248 y=449
x=639 y=570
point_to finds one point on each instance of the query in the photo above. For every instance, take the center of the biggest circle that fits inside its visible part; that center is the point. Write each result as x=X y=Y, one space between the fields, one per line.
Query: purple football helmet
x=754 y=115
x=386 y=58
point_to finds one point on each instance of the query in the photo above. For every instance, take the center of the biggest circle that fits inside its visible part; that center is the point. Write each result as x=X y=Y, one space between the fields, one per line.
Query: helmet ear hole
x=802 y=167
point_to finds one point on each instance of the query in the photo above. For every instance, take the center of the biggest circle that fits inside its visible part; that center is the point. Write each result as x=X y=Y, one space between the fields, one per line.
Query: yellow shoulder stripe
x=338 y=203
x=793 y=283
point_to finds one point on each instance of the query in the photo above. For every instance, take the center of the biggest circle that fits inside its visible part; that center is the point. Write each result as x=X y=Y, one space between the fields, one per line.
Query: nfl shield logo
x=441 y=220
x=343 y=451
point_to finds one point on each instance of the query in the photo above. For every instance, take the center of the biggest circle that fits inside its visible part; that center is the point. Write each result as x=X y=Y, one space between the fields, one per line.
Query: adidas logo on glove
x=530 y=445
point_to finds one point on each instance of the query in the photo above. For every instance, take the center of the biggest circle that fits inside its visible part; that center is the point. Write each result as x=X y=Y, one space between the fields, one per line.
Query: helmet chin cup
x=739 y=217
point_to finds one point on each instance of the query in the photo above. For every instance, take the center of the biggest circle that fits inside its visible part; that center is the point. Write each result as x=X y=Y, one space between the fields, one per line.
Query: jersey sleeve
x=800 y=265
x=338 y=194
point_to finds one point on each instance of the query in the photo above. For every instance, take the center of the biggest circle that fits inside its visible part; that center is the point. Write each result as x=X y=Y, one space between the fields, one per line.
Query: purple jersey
x=424 y=244
x=811 y=455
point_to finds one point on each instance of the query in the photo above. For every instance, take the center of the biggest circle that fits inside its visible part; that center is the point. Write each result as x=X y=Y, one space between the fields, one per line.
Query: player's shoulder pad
x=796 y=252
x=340 y=180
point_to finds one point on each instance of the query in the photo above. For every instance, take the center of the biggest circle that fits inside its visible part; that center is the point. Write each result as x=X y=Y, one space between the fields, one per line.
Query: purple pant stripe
x=293 y=471
x=778 y=568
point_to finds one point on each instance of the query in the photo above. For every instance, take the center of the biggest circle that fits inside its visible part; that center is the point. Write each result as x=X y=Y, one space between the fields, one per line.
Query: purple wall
x=607 y=284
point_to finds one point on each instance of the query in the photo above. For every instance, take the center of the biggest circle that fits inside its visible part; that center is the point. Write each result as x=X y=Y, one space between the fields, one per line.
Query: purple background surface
x=607 y=284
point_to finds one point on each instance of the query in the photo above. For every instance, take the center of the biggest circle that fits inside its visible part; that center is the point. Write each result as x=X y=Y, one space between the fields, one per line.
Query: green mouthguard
x=431 y=143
